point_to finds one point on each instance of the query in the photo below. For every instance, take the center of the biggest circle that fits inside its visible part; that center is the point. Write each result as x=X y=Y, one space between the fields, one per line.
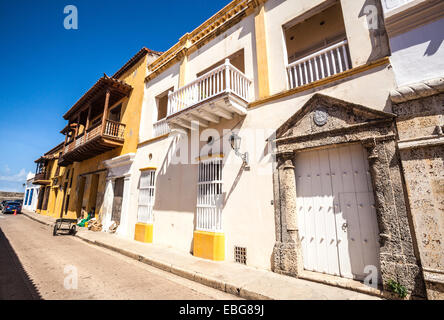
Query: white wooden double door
x=335 y=211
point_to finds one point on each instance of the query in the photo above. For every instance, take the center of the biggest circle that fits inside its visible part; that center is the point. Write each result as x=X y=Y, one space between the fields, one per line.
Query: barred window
x=146 y=196
x=209 y=196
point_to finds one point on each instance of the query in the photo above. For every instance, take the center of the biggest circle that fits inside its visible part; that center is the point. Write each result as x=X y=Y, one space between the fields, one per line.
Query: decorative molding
x=432 y=275
x=141 y=144
x=412 y=15
x=417 y=90
x=262 y=53
x=320 y=116
x=120 y=161
x=207 y=157
x=227 y=17
x=322 y=82
x=131 y=62
x=422 y=142
x=147 y=169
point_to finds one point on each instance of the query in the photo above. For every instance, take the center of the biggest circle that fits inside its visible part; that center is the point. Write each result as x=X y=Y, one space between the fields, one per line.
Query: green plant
x=397 y=288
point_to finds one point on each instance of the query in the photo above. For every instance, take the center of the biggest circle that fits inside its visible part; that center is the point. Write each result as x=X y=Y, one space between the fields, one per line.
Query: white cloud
x=19 y=177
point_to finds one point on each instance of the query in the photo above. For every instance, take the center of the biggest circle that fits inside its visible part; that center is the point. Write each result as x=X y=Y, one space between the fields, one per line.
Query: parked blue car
x=11 y=206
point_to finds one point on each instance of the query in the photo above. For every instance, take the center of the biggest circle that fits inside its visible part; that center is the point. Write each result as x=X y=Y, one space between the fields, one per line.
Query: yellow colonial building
x=50 y=176
x=100 y=137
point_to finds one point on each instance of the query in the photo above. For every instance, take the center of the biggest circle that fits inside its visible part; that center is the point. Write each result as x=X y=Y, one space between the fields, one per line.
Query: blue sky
x=45 y=68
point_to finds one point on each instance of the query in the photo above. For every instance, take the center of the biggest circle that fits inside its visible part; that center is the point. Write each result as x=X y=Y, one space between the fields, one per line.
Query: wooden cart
x=68 y=225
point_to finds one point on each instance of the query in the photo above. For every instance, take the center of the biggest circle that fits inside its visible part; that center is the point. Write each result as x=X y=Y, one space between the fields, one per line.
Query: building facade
x=48 y=176
x=416 y=39
x=31 y=193
x=100 y=142
x=316 y=185
x=277 y=134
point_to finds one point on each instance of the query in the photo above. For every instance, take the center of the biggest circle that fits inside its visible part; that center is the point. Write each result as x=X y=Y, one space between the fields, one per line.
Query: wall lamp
x=235 y=142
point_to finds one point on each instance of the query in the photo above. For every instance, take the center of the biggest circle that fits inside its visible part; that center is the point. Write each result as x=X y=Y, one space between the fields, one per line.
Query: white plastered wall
x=168 y=79
x=240 y=36
x=248 y=215
x=418 y=54
x=280 y=12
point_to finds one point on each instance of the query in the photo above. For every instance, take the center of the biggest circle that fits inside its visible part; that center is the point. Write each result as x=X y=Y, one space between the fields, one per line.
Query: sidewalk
x=237 y=279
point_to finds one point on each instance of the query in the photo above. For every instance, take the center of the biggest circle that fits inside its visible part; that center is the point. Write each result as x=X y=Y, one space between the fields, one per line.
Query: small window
x=317 y=46
x=314 y=33
x=30 y=197
x=26 y=197
x=72 y=175
x=114 y=113
x=162 y=104
x=237 y=59
x=146 y=196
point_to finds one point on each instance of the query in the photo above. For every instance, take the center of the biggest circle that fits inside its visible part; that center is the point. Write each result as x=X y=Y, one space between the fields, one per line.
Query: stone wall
x=421 y=144
x=346 y=123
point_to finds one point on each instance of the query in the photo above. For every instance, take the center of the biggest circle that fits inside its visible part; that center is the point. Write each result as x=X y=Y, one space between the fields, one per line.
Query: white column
x=107 y=204
x=124 y=214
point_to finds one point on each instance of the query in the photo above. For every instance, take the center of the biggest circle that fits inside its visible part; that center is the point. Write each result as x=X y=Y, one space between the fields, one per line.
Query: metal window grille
x=209 y=196
x=146 y=197
x=240 y=254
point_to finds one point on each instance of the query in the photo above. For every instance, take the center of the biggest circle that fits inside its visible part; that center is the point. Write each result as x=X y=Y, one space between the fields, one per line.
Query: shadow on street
x=15 y=283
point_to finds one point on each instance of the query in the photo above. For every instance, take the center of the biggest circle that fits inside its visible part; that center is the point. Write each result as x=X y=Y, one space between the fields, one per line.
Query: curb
x=179 y=271
x=35 y=219
x=190 y=275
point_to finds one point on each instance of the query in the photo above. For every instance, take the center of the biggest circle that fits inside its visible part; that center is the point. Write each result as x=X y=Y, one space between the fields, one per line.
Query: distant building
x=31 y=194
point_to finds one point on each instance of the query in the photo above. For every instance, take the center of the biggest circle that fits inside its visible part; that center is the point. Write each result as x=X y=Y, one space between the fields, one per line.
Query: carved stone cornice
x=417 y=90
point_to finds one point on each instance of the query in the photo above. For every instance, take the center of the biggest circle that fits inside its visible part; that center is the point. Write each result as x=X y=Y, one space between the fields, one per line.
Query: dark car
x=11 y=206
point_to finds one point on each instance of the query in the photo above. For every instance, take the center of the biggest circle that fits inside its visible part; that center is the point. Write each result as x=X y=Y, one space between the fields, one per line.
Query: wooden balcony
x=41 y=179
x=94 y=141
x=220 y=93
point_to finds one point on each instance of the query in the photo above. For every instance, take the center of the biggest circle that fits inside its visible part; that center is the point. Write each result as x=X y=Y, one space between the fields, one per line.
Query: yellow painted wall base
x=143 y=232
x=209 y=245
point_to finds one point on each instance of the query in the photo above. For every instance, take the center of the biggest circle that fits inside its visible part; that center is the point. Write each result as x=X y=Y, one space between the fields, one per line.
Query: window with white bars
x=146 y=196
x=209 y=196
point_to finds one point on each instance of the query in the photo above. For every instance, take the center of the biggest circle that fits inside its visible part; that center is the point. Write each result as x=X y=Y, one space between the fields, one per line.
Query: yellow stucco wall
x=130 y=116
x=209 y=245
x=143 y=232
x=54 y=191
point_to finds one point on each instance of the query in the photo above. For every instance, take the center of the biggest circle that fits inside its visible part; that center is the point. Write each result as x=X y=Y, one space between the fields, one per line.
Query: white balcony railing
x=225 y=78
x=160 y=128
x=322 y=64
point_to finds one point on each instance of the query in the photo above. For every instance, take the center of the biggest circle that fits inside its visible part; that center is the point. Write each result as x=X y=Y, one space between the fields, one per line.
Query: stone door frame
x=378 y=136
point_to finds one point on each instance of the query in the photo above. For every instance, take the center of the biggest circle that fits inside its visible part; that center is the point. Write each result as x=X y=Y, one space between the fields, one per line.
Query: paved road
x=33 y=265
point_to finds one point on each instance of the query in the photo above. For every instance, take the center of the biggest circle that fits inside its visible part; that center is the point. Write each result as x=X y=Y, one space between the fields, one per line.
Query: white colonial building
x=31 y=193
x=267 y=138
